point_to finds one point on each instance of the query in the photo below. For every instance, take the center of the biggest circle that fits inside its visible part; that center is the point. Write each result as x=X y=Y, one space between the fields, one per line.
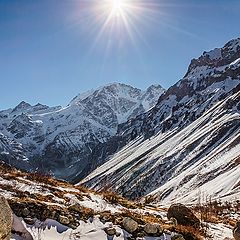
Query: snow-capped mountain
x=188 y=142
x=57 y=138
x=172 y=144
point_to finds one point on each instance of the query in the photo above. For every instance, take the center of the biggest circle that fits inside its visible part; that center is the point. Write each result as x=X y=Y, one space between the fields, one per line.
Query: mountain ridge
x=61 y=136
x=131 y=171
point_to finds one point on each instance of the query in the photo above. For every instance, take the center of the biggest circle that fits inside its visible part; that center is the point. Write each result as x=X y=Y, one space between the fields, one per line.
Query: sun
x=119 y=21
x=118 y=8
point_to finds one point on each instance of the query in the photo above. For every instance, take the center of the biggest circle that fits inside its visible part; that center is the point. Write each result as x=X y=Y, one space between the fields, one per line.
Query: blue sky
x=51 y=50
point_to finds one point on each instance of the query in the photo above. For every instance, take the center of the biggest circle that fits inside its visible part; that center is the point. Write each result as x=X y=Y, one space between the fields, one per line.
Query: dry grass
x=149 y=199
x=115 y=198
x=213 y=212
x=217 y=212
x=188 y=232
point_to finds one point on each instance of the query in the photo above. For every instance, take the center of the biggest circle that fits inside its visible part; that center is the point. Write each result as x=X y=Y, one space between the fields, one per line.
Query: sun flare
x=118 y=8
x=120 y=21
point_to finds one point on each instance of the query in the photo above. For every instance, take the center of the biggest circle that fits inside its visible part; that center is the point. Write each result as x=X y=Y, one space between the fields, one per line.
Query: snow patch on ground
x=219 y=231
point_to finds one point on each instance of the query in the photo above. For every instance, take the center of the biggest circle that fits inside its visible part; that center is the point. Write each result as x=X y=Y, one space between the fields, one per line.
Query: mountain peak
x=40 y=106
x=113 y=88
x=217 y=57
x=22 y=105
x=233 y=44
x=155 y=87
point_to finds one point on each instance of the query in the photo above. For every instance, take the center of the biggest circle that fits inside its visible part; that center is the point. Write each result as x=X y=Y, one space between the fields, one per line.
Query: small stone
x=110 y=231
x=167 y=232
x=64 y=220
x=52 y=215
x=130 y=225
x=177 y=237
x=29 y=221
x=174 y=221
x=73 y=225
x=76 y=207
x=25 y=212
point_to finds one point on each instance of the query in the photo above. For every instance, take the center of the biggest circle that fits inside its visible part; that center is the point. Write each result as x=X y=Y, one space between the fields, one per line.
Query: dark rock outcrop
x=183 y=215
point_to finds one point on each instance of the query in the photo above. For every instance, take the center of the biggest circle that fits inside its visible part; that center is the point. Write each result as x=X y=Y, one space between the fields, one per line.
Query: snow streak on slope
x=194 y=124
x=176 y=166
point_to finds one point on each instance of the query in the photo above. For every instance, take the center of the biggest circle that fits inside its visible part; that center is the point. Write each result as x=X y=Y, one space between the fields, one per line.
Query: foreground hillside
x=47 y=209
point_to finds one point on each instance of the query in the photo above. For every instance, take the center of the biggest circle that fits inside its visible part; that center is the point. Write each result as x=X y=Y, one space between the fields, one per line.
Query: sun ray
x=128 y=20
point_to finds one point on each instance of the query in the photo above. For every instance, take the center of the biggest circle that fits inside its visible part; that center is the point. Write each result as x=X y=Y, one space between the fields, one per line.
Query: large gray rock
x=153 y=229
x=130 y=225
x=236 y=231
x=6 y=219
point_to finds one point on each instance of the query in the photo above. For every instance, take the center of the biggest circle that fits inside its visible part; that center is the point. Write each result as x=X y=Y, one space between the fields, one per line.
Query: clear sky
x=51 y=50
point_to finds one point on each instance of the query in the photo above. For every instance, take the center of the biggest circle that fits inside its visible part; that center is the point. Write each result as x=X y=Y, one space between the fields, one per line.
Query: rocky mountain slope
x=60 y=138
x=12 y=152
x=188 y=145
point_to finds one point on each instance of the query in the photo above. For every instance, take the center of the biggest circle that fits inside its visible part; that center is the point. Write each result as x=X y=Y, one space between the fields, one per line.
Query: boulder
x=6 y=219
x=183 y=215
x=236 y=231
x=153 y=229
x=130 y=225
x=111 y=231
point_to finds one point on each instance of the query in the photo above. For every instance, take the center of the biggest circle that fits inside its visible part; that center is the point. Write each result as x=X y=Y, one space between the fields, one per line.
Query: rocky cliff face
x=13 y=153
x=209 y=79
x=61 y=138
x=180 y=135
